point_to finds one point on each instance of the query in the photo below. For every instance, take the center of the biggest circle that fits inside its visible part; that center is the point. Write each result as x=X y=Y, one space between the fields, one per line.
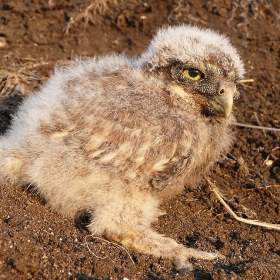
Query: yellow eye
x=193 y=74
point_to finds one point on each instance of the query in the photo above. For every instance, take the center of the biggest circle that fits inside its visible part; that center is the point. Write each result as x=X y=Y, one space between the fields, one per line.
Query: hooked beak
x=222 y=102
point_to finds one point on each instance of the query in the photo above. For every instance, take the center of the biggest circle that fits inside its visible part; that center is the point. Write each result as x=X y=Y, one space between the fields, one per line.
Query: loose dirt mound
x=36 y=243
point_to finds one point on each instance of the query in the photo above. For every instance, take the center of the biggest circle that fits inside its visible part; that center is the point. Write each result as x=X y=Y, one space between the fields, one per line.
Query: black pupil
x=193 y=73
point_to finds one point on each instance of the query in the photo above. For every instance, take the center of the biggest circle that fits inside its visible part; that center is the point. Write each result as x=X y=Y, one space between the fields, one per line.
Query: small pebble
x=3 y=42
x=269 y=162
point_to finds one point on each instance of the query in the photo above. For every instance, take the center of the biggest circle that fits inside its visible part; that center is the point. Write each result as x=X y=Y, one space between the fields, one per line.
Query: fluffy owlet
x=117 y=136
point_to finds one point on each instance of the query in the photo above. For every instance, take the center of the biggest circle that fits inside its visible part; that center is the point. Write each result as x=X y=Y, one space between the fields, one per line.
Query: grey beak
x=222 y=102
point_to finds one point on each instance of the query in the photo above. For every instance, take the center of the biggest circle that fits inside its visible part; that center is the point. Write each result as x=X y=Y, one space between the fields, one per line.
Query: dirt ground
x=37 y=243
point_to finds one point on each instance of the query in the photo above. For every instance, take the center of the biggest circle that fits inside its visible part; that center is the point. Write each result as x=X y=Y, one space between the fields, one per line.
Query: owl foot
x=182 y=263
x=150 y=242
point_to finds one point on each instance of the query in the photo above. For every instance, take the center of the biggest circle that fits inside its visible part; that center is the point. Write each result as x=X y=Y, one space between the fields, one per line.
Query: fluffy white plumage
x=115 y=136
x=192 y=43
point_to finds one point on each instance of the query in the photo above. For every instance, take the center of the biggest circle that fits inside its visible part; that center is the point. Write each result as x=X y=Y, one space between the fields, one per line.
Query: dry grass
x=22 y=76
x=181 y=13
x=93 y=13
x=243 y=11
x=102 y=254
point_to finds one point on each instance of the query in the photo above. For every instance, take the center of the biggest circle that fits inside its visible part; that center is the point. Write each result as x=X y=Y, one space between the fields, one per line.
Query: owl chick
x=117 y=136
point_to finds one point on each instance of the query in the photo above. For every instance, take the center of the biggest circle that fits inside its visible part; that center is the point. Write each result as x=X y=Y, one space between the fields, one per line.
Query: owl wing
x=128 y=129
x=138 y=149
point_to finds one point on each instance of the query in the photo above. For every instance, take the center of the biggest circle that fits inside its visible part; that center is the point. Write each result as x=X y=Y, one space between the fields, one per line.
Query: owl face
x=209 y=88
x=198 y=66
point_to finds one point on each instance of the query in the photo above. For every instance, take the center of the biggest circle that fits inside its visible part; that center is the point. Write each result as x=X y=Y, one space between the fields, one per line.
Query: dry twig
x=245 y=81
x=230 y=211
x=257 y=127
x=258 y=121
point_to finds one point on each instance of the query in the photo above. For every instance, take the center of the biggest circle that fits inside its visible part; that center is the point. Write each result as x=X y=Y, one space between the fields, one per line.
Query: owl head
x=197 y=65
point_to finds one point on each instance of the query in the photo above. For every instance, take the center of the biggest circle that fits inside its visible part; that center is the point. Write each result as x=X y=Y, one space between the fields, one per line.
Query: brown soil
x=36 y=243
